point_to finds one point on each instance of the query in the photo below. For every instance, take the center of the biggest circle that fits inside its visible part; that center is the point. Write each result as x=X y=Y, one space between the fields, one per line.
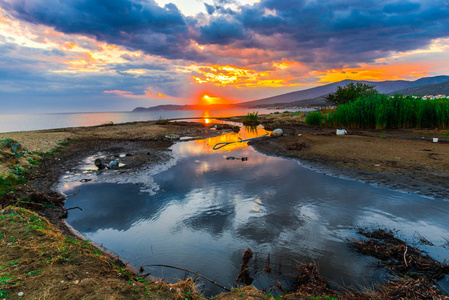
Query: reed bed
x=385 y=112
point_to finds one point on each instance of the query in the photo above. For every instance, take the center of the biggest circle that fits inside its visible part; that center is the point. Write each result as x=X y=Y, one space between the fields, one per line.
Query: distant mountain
x=322 y=91
x=186 y=107
x=429 y=89
x=316 y=95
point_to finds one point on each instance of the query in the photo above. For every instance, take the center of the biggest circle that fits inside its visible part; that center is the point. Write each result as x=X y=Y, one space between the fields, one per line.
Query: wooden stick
x=182 y=269
x=405 y=259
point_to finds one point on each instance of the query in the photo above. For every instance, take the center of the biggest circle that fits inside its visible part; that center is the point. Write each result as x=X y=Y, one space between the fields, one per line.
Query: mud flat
x=69 y=267
x=405 y=160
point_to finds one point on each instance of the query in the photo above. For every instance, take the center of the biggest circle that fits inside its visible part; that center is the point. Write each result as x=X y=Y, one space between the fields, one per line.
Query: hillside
x=316 y=95
x=321 y=91
x=429 y=89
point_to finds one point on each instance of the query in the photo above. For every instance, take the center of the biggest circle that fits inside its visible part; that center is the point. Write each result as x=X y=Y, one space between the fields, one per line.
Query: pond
x=207 y=206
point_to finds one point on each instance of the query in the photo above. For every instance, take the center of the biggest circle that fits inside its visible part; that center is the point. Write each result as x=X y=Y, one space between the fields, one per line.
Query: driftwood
x=198 y=274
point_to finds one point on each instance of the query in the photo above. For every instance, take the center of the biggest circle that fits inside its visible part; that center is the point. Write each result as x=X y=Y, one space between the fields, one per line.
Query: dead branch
x=182 y=269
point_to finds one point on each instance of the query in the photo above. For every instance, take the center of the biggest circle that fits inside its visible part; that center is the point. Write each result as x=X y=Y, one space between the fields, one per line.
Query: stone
x=277 y=132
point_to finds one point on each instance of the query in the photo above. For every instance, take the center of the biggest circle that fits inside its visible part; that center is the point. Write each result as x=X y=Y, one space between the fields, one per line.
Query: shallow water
x=207 y=209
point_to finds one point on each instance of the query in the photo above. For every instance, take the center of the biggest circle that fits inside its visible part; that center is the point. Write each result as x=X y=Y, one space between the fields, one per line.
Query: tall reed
x=384 y=112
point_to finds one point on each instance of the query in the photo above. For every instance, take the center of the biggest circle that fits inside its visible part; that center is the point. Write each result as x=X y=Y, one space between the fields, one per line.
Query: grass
x=384 y=112
x=162 y=121
x=38 y=260
x=9 y=183
x=316 y=119
x=251 y=119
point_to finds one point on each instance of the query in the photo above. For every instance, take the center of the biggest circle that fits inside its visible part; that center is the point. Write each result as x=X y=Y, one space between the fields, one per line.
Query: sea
x=28 y=122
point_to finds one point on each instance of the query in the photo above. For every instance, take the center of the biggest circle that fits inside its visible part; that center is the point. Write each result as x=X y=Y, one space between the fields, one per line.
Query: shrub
x=315 y=119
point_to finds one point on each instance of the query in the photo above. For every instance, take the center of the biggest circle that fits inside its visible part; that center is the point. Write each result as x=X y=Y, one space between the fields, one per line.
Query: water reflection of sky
x=209 y=209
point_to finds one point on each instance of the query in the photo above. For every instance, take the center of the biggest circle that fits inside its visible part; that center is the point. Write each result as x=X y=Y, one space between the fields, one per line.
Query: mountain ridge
x=316 y=95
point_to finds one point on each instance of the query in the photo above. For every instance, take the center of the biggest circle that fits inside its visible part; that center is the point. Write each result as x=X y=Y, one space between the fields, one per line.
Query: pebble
x=20 y=294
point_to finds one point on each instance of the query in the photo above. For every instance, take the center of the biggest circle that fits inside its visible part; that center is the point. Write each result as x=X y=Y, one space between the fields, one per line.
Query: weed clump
x=316 y=119
x=251 y=119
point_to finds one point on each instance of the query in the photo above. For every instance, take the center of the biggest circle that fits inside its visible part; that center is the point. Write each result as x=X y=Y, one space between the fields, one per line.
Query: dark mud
x=416 y=181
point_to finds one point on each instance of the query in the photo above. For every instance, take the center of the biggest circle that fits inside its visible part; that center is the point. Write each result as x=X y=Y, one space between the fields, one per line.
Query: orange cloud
x=234 y=76
x=403 y=71
x=118 y=92
x=159 y=95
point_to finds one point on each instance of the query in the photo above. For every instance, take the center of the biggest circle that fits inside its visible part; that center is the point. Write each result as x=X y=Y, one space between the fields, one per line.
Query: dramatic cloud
x=138 y=25
x=145 y=50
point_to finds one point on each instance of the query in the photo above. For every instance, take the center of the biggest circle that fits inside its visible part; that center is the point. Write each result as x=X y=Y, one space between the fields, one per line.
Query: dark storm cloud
x=325 y=34
x=135 y=24
x=222 y=32
x=334 y=32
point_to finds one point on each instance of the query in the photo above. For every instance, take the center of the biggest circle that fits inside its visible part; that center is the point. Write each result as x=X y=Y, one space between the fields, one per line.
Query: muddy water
x=212 y=205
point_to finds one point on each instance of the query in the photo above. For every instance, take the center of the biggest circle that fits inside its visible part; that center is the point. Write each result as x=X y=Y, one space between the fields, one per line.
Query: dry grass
x=40 y=262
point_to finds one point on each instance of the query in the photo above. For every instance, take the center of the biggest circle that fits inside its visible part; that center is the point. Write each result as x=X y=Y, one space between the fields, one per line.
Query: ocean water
x=26 y=122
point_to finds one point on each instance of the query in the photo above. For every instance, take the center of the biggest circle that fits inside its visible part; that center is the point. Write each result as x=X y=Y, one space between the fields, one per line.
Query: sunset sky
x=102 y=55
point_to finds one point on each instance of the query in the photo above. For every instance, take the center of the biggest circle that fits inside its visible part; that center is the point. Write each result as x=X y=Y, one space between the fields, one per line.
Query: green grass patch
x=251 y=118
x=9 y=184
x=316 y=118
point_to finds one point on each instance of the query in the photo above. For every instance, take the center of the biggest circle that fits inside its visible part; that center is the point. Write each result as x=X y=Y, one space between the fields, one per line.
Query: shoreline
x=392 y=181
x=128 y=137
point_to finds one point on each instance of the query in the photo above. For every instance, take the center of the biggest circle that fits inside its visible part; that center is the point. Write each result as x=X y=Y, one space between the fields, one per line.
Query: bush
x=315 y=119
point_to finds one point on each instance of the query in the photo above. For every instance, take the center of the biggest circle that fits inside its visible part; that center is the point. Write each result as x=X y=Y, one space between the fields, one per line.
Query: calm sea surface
x=25 y=122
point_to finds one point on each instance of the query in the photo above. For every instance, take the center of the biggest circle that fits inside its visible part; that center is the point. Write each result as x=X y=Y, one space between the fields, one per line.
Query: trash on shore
x=277 y=132
x=99 y=164
x=172 y=136
x=341 y=132
x=187 y=138
x=115 y=164
x=435 y=140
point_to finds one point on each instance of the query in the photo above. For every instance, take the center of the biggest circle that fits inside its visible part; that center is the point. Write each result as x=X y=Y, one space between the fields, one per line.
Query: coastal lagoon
x=204 y=208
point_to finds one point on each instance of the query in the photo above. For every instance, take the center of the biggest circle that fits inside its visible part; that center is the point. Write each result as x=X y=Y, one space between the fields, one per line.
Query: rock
x=99 y=164
x=277 y=132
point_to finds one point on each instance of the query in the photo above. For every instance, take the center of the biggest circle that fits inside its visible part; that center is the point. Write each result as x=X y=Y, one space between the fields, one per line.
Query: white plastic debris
x=341 y=131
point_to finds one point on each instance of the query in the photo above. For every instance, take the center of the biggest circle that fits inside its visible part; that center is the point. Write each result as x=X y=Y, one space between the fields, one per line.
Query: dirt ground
x=44 y=260
x=407 y=160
